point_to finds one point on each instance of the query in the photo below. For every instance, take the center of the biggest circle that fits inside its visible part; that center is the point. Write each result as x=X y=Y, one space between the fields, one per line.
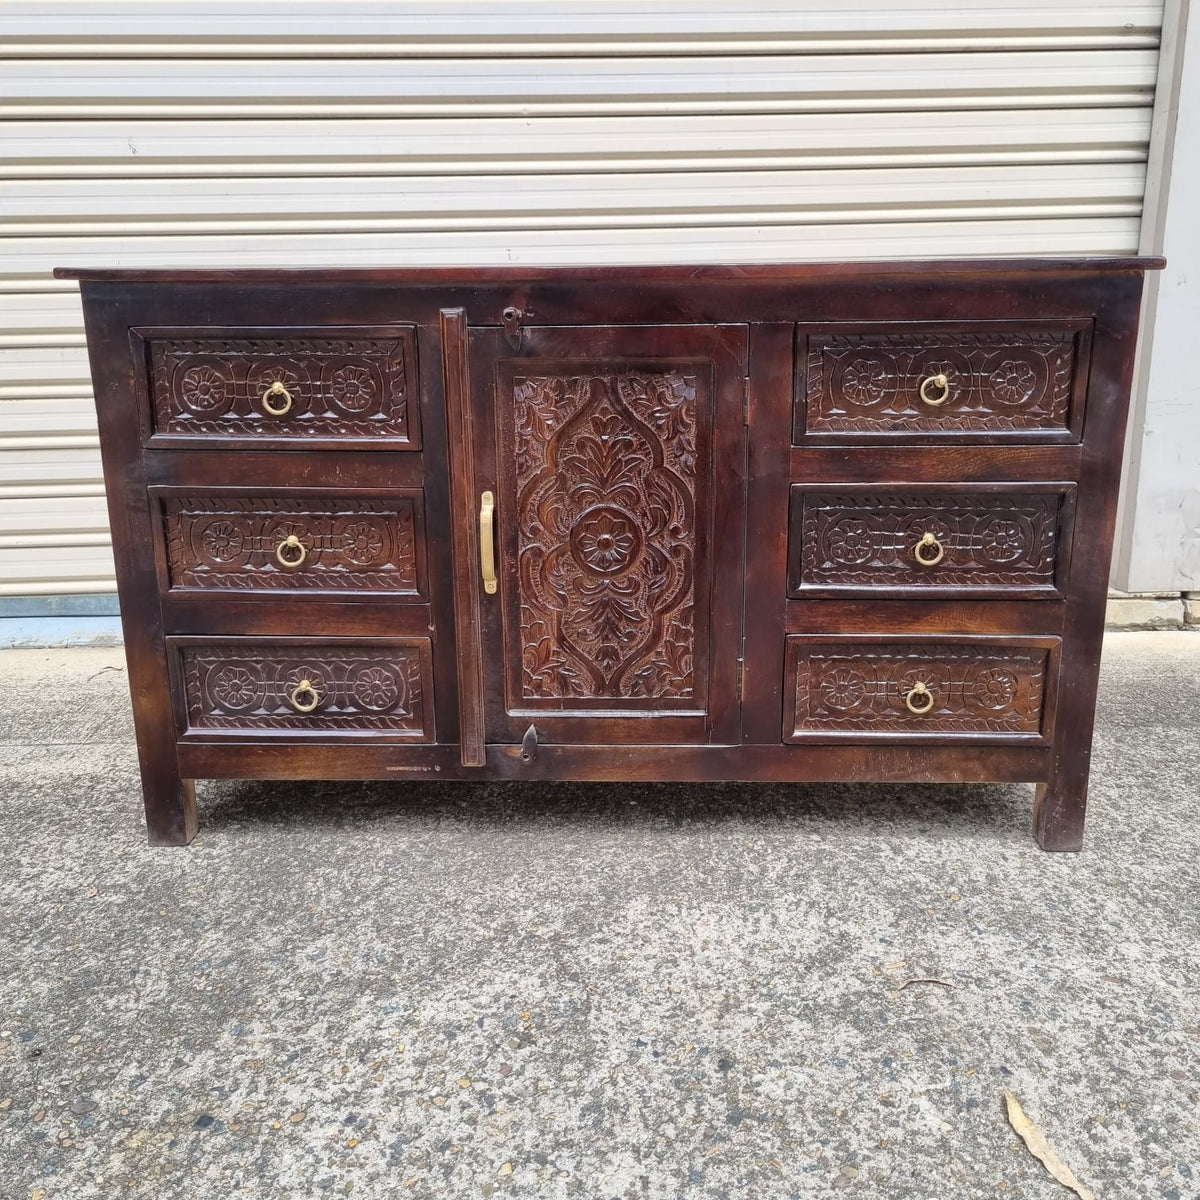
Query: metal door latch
x=512 y=326
x=529 y=745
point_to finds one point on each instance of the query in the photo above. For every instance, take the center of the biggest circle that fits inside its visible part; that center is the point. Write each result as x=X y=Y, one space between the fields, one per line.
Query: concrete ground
x=660 y=992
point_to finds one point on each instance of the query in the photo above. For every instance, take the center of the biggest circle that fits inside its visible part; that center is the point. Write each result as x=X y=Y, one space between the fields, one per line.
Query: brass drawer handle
x=929 y=551
x=941 y=383
x=487 y=541
x=913 y=700
x=274 y=410
x=295 y=547
x=311 y=699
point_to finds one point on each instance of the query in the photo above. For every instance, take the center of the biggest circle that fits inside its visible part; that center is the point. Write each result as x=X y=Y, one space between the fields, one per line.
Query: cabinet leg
x=170 y=809
x=1059 y=809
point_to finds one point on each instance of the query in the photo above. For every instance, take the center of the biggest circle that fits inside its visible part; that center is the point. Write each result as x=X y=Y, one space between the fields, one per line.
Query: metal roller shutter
x=312 y=132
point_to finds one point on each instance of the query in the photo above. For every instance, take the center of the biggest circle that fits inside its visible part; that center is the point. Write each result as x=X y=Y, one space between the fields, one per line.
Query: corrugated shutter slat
x=309 y=132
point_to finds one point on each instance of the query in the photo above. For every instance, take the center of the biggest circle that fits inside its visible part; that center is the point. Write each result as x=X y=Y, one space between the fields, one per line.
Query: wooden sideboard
x=826 y=522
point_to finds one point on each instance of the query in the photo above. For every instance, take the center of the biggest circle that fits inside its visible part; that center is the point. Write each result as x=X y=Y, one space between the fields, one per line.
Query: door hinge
x=741 y=675
x=746 y=400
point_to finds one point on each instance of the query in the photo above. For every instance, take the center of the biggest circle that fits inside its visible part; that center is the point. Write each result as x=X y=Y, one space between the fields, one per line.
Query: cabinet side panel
x=109 y=312
x=1061 y=802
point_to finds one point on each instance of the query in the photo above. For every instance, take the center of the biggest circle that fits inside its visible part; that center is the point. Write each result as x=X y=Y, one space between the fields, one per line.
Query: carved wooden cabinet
x=836 y=522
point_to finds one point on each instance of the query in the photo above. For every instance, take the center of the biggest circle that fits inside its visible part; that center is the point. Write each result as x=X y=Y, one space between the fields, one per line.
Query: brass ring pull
x=277 y=410
x=913 y=698
x=295 y=547
x=941 y=383
x=929 y=551
x=304 y=689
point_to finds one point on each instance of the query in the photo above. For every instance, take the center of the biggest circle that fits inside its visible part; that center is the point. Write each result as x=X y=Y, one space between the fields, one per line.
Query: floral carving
x=1004 y=541
x=233 y=687
x=202 y=389
x=352 y=388
x=1002 y=381
x=230 y=542
x=229 y=687
x=992 y=688
x=849 y=542
x=843 y=687
x=362 y=541
x=838 y=687
x=865 y=381
x=376 y=687
x=223 y=540
x=989 y=540
x=263 y=374
x=605 y=540
x=1013 y=381
x=311 y=671
x=670 y=408
x=546 y=669
x=606 y=467
x=341 y=387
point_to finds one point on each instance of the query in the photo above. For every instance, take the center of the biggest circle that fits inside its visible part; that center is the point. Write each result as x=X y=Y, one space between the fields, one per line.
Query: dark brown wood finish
x=170 y=799
x=305 y=541
x=987 y=540
x=339 y=387
x=919 y=688
x=615 y=458
x=1061 y=802
x=708 y=273
x=763 y=465
x=998 y=381
x=343 y=688
x=616 y=764
x=464 y=536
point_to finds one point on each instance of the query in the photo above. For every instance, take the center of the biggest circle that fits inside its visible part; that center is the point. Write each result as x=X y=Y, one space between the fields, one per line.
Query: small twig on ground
x=101 y=672
x=925 y=979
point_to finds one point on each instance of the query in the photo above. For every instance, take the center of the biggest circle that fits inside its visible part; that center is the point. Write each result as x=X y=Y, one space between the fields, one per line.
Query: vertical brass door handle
x=487 y=541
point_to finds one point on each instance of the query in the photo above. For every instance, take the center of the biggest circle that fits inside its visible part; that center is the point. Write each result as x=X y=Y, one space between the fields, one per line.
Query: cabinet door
x=615 y=455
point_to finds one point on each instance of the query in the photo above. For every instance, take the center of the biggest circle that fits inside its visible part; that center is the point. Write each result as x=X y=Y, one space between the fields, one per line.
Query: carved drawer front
x=290 y=543
x=337 y=688
x=962 y=539
x=932 y=382
x=316 y=386
x=864 y=688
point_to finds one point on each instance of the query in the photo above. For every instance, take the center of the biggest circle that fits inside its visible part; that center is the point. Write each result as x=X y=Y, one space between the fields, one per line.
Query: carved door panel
x=616 y=459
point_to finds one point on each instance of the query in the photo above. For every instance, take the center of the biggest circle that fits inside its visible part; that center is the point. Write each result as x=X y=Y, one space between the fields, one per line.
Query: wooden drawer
x=931 y=382
x=348 y=388
x=251 y=687
x=988 y=540
x=867 y=688
x=300 y=541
